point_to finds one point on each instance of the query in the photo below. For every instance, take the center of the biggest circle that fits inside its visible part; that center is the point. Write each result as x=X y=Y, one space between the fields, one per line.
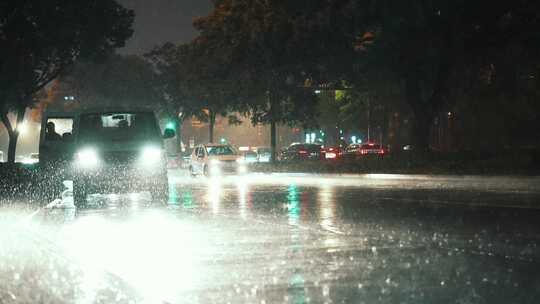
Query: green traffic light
x=170 y=125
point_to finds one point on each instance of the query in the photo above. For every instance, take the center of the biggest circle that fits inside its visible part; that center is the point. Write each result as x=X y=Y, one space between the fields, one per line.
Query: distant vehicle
x=408 y=148
x=116 y=150
x=359 y=150
x=216 y=159
x=31 y=159
x=250 y=156
x=335 y=152
x=300 y=152
x=173 y=161
x=264 y=154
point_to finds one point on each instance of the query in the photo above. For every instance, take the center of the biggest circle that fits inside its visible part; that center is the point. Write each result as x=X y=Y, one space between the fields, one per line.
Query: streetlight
x=22 y=128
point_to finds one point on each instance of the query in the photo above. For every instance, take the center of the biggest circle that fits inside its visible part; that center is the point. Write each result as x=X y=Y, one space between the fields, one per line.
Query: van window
x=58 y=129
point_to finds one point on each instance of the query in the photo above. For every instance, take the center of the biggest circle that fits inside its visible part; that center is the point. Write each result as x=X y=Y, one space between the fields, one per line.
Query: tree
x=122 y=80
x=274 y=47
x=438 y=49
x=40 y=39
x=194 y=83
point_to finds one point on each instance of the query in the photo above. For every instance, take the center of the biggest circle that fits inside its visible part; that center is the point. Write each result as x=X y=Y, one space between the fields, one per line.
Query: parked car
x=333 y=153
x=360 y=150
x=31 y=159
x=250 y=156
x=263 y=154
x=300 y=152
x=216 y=159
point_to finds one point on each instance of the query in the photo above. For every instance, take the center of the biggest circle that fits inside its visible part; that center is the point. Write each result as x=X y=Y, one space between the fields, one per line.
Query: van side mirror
x=168 y=133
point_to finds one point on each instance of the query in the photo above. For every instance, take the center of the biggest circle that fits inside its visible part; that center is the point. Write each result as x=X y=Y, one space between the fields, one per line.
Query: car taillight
x=302 y=152
x=363 y=151
x=381 y=151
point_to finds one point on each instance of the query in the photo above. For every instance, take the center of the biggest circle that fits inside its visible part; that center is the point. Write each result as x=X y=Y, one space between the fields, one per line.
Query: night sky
x=159 y=21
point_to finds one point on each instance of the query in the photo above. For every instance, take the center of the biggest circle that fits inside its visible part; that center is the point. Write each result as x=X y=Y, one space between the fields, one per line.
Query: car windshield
x=313 y=148
x=371 y=146
x=118 y=126
x=220 y=150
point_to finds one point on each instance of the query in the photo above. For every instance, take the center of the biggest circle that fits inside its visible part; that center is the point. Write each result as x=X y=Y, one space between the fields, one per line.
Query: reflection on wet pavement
x=294 y=239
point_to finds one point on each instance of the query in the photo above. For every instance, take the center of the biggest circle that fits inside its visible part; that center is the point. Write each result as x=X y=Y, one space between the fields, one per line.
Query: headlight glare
x=151 y=154
x=87 y=158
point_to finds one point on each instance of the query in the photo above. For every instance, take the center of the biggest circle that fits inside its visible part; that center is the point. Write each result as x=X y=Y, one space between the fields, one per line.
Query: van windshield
x=118 y=127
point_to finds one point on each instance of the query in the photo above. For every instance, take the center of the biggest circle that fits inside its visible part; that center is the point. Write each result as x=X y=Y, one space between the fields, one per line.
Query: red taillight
x=381 y=151
x=302 y=152
x=363 y=151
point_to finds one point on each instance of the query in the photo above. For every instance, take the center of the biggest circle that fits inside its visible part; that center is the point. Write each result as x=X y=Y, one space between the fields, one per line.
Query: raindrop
x=325 y=290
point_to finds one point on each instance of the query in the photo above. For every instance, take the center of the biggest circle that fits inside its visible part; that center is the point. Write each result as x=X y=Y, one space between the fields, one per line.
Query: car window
x=220 y=150
x=313 y=148
x=200 y=152
x=296 y=147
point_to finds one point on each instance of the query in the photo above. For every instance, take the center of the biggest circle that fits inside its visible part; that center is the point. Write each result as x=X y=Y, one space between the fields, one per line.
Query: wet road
x=284 y=238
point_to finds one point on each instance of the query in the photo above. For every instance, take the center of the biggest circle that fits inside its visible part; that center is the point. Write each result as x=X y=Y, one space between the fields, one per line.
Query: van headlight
x=87 y=158
x=151 y=155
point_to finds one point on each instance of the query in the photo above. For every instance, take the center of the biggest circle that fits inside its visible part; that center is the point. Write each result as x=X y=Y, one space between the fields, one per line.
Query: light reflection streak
x=327 y=208
x=293 y=205
x=242 y=200
x=296 y=290
x=214 y=194
x=147 y=252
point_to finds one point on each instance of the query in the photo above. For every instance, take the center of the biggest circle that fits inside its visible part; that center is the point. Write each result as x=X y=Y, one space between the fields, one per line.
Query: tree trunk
x=421 y=130
x=179 y=122
x=422 y=115
x=211 y=126
x=273 y=145
x=12 y=147
x=13 y=133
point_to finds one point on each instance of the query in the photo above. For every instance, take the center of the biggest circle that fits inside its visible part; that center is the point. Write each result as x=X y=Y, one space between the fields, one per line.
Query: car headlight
x=151 y=155
x=87 y=158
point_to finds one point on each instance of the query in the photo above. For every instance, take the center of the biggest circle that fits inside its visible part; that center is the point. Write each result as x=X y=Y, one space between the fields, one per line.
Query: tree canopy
x=40 y=39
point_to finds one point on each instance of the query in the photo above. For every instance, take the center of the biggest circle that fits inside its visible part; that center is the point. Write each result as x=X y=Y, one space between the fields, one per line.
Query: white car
x=216 y=159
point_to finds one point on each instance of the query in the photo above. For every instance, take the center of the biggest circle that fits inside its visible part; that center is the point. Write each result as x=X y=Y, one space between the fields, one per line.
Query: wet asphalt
x=283 y=238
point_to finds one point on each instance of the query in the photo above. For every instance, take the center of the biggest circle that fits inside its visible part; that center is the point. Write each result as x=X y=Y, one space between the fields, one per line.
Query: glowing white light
x=23 y=128
x=87 y=158
x=130 y=245
x=242 y=169
x=151 y=155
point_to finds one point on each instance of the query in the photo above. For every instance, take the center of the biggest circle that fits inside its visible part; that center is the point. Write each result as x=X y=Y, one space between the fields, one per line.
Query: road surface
x=283 y=238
